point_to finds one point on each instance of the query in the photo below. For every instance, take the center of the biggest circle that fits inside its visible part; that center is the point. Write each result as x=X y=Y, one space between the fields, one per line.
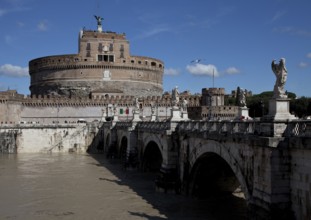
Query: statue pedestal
x=136 y=114
x=176 y=114
x=275 y=123
x=116 y=118
x=185 y=116
x=153 y=117
x=243 y=113
x=279 y=110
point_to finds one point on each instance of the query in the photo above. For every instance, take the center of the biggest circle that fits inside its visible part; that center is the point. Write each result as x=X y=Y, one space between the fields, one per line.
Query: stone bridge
x=271 y=169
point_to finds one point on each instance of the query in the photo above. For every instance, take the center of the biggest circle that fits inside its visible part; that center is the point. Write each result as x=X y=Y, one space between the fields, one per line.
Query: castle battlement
x=213 y=91
x=104 y=35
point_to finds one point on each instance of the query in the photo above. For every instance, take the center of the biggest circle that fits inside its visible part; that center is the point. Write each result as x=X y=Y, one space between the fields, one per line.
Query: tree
x=301 y=107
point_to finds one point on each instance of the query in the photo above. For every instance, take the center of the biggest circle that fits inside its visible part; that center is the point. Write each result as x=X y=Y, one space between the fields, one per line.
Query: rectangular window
x=100 y=47
x=111 y=58
x=88 y=46
x=111 y=47
x=122 y=48
x=105 y=58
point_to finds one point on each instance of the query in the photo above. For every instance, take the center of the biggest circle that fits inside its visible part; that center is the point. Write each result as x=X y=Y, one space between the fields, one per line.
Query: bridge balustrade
x=294 y=128
x=298 y=128
x=124 y=124
x=153 y=126
x=220 y=127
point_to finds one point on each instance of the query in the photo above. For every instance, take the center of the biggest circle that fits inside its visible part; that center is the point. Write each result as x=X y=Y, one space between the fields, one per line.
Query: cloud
x=42 y=26
x=13 y=71
x=293 y=31
x=171 y=72
x=309 y=55
x=20 y=24
x=3 y=12
x=8 y=39
x=303 y=64
x=154 y=31
x=278 y=15
x=13 y=9
x=202 y=69
x=232 y=70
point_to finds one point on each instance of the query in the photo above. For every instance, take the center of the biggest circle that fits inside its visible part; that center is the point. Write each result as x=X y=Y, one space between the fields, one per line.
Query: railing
x=154 y=126
x=228 y=127
x=298 y=128
x=294 y=128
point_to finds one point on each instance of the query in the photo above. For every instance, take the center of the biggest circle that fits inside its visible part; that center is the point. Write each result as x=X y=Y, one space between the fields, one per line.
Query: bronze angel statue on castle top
x=98 y=19
x=280 y=72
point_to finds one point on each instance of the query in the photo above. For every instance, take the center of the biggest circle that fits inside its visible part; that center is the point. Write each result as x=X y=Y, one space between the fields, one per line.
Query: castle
x=103 y=67
x=103 y=81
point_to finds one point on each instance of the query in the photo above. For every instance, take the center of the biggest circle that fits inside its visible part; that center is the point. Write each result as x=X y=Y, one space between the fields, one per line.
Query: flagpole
x=213 y=78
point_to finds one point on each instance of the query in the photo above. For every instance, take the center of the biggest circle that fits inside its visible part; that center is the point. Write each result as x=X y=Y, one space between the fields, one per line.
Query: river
x=83 y=186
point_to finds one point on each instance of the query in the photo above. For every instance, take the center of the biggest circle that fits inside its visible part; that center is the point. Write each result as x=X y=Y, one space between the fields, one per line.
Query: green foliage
x=301 y=107
x=259 y=104
x=229 y=101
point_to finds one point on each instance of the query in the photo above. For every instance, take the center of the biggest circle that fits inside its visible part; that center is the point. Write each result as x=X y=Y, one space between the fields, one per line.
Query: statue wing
x=274 y=66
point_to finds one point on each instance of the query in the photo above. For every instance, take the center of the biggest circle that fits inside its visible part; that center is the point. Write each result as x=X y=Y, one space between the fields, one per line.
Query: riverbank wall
x=36 y=138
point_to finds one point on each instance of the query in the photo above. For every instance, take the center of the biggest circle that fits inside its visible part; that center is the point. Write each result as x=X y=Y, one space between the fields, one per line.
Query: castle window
x=139 y=62
x=105 y=58
x=100 y=47
x=122 y=48
x=88 y=46
x=111 y=58
x=111 y=47
x=121 y=55
x=132 y=61
x=153 y=64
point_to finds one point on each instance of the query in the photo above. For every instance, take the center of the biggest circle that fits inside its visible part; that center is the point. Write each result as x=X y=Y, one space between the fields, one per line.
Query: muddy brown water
x=75 y=186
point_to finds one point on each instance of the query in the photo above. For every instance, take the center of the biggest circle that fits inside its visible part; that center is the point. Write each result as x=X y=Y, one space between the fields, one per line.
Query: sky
x=235 y=40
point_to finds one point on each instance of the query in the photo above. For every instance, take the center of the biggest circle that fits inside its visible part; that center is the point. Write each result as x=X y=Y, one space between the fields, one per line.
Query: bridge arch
x=211 y=174
x=205 y=165
x=107 y=142
x=122 y=152
x=152 y=157
x=110 y=148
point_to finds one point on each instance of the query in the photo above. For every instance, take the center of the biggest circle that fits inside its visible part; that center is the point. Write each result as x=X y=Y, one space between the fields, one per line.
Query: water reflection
x=71 y=186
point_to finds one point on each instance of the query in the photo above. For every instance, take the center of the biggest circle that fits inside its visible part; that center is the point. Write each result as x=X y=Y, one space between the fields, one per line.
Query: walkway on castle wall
x=82 y=186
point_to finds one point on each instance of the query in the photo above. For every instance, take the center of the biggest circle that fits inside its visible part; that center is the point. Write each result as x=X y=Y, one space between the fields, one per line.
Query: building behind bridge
x=103 y=77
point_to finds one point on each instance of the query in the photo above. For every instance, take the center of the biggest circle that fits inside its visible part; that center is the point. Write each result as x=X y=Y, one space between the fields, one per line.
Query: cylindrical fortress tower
x=102 y=66
x=213 y=96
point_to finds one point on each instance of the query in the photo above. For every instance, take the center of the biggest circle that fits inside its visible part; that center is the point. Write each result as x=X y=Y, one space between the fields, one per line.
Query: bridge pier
x=271 y=194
